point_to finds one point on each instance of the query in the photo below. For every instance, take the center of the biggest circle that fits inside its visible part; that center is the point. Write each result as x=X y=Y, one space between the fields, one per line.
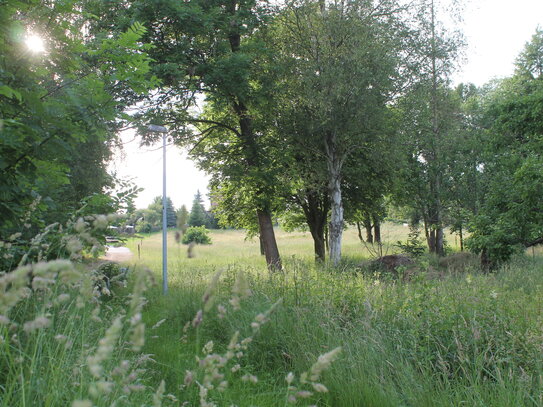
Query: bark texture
x=335 y=163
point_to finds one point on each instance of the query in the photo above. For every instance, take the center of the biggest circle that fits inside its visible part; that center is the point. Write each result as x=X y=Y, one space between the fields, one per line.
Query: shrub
x=413 y=247
x=196 y=234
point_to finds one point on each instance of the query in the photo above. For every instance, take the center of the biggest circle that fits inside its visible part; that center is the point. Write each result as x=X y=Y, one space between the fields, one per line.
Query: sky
x=495 y=31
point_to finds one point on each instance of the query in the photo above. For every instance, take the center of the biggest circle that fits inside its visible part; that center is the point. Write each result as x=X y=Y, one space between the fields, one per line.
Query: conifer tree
x=197 y=213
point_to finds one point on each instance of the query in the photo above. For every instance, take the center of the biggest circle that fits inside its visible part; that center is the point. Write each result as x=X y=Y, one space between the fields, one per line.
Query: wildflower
x=61 y=338
x=290 y=378
x=233 y=344
x=95 y=313
x=221 y=311
x=303 y=394
x=320 y=388
x=207 y=298
x=4 y=320
x=323 y=363
x=62 y=298
x=136 y=319
x=121 y=369
x=38 y=323
x=15 y=236
x=138 y=337
x=249 y=378
x=494 y=294
x=234 y=302
x=222 y=385
x=246 y=341
x=197 y=319
x=105 y=348
x=241 y=287
x=80 y=225
x=155 y=326
x=101 y=387
x=82 y=403
x=157 y=397
x=100 y=222
x=208 y=348
x=70 y=275
x=235 y=368
x=189 y=377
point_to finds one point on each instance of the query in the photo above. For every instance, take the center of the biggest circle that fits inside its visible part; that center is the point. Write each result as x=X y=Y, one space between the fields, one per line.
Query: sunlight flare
x=35 y=43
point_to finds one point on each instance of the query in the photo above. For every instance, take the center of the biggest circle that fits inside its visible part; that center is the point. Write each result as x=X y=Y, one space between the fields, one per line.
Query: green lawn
x=232 y=247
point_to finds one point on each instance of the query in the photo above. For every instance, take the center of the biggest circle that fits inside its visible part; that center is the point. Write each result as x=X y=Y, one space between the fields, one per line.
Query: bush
x=413 y=247
x=197 y=234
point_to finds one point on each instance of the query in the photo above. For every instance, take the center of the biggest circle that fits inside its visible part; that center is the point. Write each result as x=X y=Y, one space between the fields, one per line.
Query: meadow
x=230 y=333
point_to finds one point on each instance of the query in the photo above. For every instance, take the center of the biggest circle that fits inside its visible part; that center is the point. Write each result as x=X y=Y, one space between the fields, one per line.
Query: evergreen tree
x=197 y=214
x=156 y=209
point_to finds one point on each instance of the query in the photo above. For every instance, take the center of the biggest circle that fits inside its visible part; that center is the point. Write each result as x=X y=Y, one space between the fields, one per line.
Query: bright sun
x=35 y=43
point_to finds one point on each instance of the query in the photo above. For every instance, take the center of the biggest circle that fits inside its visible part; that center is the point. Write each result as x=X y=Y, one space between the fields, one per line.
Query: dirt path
x=118 y=254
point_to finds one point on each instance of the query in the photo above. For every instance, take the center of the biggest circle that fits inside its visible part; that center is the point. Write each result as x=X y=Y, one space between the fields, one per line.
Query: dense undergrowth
x=81 y=336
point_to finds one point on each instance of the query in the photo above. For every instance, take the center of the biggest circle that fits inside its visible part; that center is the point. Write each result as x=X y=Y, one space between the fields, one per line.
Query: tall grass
x=245 y=337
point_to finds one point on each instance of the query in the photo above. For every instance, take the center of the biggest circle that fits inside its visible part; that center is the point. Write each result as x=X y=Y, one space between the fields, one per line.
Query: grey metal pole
x=164 y=220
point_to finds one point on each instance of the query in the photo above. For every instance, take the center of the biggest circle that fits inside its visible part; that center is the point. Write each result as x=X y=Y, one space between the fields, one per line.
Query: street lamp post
x=164 y=131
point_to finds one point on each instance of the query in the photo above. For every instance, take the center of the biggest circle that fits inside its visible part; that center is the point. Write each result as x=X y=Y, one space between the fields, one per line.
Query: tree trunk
x=359 y=228
x=368 y=226
x=461 y=236
x=432 y=241
x=377 y=230
x=315 y=205
x=336 y=221
x=261 y=240
x=268 y=238
x=318 y=244
x=335 y=163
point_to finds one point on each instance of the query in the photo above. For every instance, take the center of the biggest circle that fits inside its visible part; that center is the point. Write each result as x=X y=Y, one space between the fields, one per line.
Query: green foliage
x=150 y=219
x=510 y=217
x=60 y=110
x=196 y=234
x=414 y=246
x=197 y=213
x=182 y=218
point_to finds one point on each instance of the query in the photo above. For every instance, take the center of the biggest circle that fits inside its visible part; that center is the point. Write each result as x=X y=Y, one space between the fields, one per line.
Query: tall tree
x=344 y=58
x=156 y=208
x=211 y=48
x=429 y=119
x=510 y=217
x=197 y=215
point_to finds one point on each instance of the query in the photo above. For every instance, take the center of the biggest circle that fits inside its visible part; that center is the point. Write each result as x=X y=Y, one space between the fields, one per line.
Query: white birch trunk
x=335 y=163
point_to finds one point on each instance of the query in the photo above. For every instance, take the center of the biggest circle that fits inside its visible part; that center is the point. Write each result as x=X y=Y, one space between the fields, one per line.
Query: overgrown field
x=438 y=338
